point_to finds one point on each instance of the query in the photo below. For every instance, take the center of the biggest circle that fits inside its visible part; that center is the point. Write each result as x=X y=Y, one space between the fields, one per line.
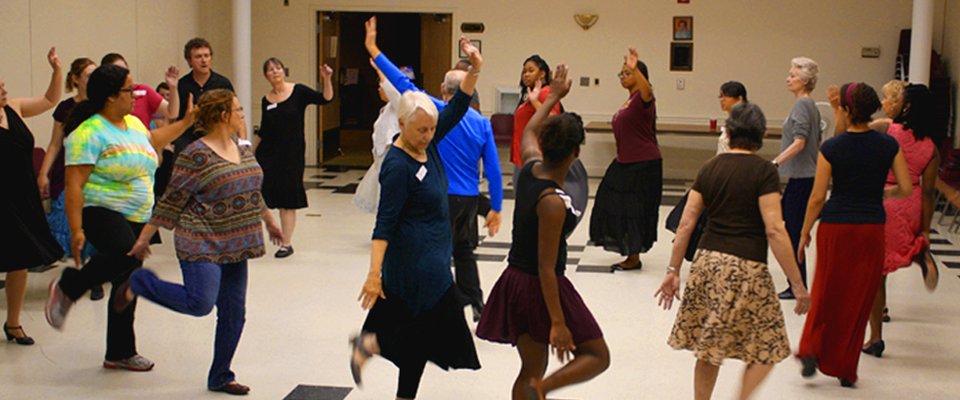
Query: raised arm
x=385 y=68
x=173 y=105
x=161 y=137
x=458 y=106
x=646 y=89
x=31 y=106
x=839 y=116
x=326 y=73
x=529 y=144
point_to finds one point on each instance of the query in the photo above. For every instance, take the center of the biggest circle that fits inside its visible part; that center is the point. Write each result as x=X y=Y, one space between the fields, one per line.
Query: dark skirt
x=439 y=335
x=627 y=209
x=516 y=307
x=282 y=179
x=849 y=271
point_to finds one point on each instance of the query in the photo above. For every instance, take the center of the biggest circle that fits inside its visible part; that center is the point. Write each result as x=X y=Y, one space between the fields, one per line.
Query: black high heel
x=357 y=345
x=23 y=341
x=885 y=316
x=809 y=367
x=876 y=349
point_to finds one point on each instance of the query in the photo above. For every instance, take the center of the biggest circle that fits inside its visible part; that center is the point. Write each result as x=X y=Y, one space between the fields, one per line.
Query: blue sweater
x=464 y=146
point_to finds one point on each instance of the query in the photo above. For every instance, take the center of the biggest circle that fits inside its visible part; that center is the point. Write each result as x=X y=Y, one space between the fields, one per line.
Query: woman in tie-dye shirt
x=110 y=162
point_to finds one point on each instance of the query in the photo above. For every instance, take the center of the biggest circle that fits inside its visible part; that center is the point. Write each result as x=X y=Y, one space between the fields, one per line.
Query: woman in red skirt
x=850 y=240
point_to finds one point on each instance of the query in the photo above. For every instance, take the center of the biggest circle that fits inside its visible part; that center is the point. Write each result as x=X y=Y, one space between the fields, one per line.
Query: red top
x=146 y=102
x=633 y=128
x=520 y=118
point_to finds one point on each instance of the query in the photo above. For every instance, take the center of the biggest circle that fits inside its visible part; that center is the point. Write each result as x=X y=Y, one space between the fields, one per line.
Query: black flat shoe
x=477 y=312
x=284 y=252
x=809 y=367
x=356 y=344
x=96 y=293
x=845 y=383
x=620 y=267
x=786 y=295
x=931 y=276
x=21 y=340
x=876 y=349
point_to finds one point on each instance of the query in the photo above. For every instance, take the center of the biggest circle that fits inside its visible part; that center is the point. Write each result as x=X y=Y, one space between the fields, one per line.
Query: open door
x=436 y=33
x=328 y=123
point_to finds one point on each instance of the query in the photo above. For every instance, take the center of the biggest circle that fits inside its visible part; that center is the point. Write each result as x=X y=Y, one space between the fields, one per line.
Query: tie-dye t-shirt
x=123 y=165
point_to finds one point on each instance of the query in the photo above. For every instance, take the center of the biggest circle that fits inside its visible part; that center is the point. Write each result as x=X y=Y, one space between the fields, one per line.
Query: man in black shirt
x=199 y=56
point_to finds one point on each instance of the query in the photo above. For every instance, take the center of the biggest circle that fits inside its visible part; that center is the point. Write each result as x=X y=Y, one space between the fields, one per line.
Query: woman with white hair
x=798 y=152
x=416 y=312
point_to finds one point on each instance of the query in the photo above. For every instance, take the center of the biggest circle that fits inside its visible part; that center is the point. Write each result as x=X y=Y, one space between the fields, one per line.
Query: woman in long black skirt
x=416 y=312
x=627 y=209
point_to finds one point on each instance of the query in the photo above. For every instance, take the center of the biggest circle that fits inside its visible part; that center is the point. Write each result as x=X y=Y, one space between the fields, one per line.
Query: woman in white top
x=367 y=196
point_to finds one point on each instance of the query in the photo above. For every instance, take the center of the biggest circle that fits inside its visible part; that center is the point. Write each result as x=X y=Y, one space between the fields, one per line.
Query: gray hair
x=809 y=71
x=746 y=127
x=451 y=81
x=411 y=101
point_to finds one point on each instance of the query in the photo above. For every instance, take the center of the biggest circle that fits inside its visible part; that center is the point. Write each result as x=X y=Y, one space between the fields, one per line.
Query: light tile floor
x=300 y=311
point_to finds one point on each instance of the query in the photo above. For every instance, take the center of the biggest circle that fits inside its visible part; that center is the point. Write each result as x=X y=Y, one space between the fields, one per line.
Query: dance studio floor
x=300 y=311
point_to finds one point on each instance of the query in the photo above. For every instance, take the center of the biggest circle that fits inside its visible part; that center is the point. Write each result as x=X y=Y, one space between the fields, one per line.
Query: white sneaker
x=57 y=306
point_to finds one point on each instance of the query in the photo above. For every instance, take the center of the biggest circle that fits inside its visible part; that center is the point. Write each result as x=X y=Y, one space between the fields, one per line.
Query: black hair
x=643 y=70
x=162 y=85
x=105 y=82
x=560 y=136
x=917 y=110
x=734 y=89
x=746 y=126
x=860 y=100
x=543 y=66
x=111 y=58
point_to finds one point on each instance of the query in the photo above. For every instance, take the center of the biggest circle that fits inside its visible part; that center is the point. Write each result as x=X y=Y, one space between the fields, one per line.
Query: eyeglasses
x=621 y=74
x=128 y=90
x=238 y=109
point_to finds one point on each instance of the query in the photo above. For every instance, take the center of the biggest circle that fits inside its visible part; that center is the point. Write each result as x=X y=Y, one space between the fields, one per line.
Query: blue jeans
x=204 y=285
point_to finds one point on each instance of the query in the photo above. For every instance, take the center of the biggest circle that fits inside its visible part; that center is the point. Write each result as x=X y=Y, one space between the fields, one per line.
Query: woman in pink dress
x=907 y=229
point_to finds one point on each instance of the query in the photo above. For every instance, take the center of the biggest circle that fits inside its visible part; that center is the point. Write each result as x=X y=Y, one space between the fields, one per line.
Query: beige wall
x=150 y=35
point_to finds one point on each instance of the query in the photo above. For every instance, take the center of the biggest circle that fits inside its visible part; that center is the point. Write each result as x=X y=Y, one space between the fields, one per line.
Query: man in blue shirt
x=461 y=152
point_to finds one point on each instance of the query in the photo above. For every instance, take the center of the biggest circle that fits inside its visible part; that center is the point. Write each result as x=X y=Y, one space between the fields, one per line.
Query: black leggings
x=113 y=236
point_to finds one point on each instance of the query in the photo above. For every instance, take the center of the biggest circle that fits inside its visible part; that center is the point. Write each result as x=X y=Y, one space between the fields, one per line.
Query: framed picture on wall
x=476 y=43
x=683 y=28
x=681 y=56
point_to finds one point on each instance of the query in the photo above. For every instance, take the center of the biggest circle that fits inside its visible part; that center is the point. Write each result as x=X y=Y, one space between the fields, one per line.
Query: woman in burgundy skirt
x=850 y=239
x=533 y=304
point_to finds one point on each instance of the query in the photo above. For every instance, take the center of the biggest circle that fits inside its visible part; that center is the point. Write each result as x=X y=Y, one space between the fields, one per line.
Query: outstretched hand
x=171 y=77
x=560 y=85
x=631 y=58
x=54 y=59
x=669 y=291
x=833 y=95
x=472 y=52
x=533 y=93
x=325 y=71
x=370 y=41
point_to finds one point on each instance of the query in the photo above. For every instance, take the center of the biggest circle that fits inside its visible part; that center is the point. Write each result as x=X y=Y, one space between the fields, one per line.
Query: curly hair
x=213 y=108
x=560 y=136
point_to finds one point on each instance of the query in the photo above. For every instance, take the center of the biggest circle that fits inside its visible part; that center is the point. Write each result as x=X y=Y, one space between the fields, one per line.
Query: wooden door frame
x=316 y=10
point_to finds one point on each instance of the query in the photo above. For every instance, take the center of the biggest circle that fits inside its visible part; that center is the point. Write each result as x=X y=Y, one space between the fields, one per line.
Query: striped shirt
x=123 y=161
x=214 y=205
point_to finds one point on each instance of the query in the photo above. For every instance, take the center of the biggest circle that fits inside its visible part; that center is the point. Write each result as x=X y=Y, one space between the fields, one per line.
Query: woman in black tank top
x=533 y=303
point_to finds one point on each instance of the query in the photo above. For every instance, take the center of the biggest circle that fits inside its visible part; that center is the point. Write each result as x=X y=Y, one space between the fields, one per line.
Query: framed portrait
x=683 y=28
x=681 y=56
x=475 y=42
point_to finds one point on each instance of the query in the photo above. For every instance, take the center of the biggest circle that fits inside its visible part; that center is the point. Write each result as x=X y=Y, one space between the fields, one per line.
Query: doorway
x=421 y=42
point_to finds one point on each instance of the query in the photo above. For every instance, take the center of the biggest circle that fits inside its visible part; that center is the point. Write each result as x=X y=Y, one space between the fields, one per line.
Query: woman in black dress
x=280 y=144
x=28 y=242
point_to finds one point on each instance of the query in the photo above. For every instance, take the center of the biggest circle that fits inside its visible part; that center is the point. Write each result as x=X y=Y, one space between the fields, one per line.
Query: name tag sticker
x=422 y=173
x=271 y=106
x=139 y=93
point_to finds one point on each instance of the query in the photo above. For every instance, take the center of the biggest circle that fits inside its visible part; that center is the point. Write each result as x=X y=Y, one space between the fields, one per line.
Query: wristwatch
x=775 y=163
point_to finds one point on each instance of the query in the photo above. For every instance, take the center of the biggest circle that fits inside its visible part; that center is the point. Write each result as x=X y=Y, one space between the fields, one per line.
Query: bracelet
x=673 y=269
